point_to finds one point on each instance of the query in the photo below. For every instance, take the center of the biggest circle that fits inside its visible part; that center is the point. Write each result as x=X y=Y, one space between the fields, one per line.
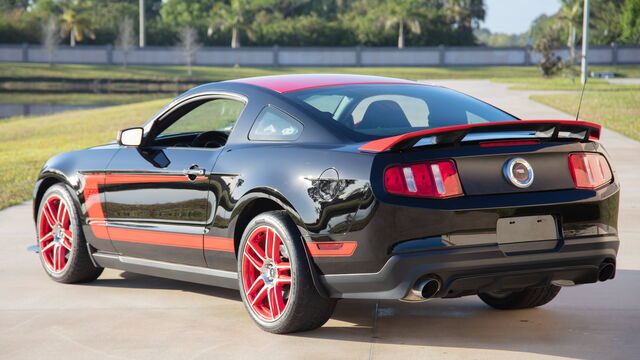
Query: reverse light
x=436 y=179
x=589 y=170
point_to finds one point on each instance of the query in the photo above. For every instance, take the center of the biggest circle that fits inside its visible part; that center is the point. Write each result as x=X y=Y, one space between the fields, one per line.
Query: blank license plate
x=526 y=228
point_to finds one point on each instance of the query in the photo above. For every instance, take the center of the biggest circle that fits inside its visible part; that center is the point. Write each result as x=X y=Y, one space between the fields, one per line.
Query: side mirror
x=130 y=136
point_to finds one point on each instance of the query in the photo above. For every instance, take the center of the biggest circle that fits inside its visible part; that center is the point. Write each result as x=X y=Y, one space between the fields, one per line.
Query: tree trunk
x=401 y=34
x=72 y=38
x=235 y=40
x=571 y=43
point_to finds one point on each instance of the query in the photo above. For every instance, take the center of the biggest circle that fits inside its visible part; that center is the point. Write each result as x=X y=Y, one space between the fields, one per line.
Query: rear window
x=387 y=110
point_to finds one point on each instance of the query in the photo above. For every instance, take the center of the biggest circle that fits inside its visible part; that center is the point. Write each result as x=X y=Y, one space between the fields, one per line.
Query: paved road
x=124 y=315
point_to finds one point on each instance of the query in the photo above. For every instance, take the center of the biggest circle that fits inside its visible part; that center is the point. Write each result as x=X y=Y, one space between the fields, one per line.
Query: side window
x=274 y=125
x=218 y=114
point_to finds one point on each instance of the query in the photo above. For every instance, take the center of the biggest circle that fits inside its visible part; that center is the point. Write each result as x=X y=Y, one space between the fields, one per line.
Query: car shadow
x=132 y=280
x=600 y=321
x=587 y=322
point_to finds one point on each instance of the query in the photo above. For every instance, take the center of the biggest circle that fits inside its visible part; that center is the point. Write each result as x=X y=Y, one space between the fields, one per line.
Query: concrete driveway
x=129 y=316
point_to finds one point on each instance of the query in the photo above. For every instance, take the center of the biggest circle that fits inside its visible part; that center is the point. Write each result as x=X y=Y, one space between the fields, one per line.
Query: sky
x=515 y=16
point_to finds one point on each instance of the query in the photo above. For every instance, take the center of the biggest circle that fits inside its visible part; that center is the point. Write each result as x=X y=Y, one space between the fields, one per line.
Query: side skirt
x=196 y=274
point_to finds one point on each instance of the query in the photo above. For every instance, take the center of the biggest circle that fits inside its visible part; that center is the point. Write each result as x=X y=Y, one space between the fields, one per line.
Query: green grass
x=619 y=111
x=27 y=142
x=562 y=83
x=205 y=73
x=76 y=98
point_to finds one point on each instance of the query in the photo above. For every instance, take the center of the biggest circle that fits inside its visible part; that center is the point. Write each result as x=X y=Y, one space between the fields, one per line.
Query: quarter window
x=274 y=125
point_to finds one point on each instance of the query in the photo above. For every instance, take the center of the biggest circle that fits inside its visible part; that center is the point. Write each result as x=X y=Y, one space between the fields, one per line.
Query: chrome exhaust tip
x=423 y=290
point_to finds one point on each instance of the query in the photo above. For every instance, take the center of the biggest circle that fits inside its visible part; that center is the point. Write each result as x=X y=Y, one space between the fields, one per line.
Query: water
x=10 y=110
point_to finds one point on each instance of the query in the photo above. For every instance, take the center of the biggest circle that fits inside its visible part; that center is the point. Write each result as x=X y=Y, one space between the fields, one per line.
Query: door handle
x=193 y=172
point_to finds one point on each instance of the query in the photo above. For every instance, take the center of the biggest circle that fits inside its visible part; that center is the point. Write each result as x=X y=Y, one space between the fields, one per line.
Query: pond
x=11 y=110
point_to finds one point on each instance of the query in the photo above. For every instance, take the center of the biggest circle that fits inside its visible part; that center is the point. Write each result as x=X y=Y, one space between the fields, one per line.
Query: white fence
x=312 y=56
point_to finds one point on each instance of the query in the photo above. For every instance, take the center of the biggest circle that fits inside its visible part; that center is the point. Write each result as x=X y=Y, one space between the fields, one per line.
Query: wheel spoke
x=49 y=236
x=259 y=296
x=283 y=279
x=56 y=249
x=256 y=249
x=60 y=213
x=61 y=260
x=284 y=266
x=47 y=247
x=268 y=243
x=66 y=244
x=256 y=284
x=273 y=304
x=257 y=263
x=48 y=214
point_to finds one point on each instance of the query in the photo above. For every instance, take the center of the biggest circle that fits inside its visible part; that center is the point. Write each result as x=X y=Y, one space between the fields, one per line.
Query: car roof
x=294 y=82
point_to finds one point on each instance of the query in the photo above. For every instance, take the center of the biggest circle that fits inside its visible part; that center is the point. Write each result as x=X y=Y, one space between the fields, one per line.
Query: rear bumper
x=469 y=270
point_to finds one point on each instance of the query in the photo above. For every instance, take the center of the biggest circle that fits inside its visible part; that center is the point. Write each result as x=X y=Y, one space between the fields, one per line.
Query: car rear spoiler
x=536 y=129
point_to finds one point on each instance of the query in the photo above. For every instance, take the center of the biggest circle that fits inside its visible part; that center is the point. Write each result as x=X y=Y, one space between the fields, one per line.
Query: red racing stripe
x=97 y=220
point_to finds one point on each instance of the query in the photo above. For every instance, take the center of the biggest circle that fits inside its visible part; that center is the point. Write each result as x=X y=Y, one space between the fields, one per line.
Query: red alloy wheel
x=55 y=235
x=266 y=276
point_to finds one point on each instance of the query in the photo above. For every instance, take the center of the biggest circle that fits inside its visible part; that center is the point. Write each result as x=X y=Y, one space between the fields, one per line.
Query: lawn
x=563 y=83
x=205 y=73
x=619 y=110
x=76 y=98
x=26 y=142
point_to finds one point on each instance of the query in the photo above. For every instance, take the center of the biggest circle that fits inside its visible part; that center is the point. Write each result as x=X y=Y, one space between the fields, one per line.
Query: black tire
x=523 y=299
x=79 y=267
x=305 y=309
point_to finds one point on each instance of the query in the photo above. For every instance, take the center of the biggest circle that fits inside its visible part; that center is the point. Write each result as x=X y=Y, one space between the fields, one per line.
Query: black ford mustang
x=303 y=189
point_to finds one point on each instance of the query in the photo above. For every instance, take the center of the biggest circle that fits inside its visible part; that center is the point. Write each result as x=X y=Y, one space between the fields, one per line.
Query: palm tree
x=400 y=13
x=464 y=14
x=75 y=23
x=571 y=15
x=231 y=16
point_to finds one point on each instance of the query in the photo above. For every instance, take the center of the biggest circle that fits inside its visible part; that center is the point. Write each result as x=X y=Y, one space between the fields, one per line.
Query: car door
x=157 y=198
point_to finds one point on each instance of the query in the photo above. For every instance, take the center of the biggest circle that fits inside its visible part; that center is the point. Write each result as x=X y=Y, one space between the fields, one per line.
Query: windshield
x=388 y=110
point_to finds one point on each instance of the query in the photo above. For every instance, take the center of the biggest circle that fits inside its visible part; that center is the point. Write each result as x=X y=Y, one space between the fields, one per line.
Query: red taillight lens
x=589 y=170
x=437 y=179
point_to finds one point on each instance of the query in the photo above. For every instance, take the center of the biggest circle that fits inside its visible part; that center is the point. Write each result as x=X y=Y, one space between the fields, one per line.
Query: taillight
x=437 y=179
x=589 y=170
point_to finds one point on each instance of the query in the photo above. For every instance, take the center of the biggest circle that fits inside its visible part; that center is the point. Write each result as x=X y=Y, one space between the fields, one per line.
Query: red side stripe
x=171 y=239
x=219 y=244
x=100 y=230
x=316 y=249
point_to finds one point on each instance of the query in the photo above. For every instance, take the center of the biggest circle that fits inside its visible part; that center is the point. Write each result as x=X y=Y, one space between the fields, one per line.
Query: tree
x=126 y=40
x=630 y=20
x=571 y=15
x=546 y=46
x=189 y=45
x=233 y=16
x=75 y=21
x=400 y=13
x=465 y=15
x=50 y=37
